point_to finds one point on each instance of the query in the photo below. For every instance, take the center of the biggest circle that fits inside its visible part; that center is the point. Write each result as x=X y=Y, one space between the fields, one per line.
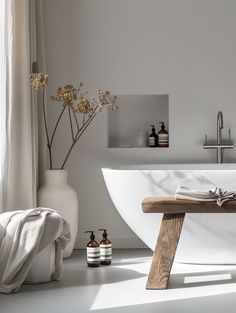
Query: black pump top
x=92 y=237
x=104 y=234
x=153 y=129
x=162 y=125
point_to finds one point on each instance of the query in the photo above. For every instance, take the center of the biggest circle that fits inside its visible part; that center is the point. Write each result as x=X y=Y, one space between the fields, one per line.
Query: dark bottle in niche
x=93 y=251
x=105 y=249
x=163 y=137
x=153 y=138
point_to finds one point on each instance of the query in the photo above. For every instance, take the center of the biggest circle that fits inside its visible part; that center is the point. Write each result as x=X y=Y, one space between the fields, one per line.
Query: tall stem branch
x=46 y=130
x=77 y=136
x=86 y=123
x=89 y=121
x=76 y=120
x=55 y=128
x=71 y=125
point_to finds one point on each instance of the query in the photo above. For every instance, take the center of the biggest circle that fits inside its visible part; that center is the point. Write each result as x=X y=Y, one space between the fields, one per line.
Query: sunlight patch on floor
x=205 y=278
x=120 y=295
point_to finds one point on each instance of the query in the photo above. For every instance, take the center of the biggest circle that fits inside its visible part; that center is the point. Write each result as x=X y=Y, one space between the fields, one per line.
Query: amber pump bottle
x=163 y=137
x=93 y=251
x=105 y=249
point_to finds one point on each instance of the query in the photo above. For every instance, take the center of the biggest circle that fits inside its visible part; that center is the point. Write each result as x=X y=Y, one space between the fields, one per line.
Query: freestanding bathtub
x=205 y=238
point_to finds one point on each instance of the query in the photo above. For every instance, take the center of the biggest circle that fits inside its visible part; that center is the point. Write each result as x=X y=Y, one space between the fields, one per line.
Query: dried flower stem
x=55 y=128
x=71 y=125
x=49 y=142
x=46 y=129
x=76 y=120
x=87 y=124
x=78 y=135
x=77 y=102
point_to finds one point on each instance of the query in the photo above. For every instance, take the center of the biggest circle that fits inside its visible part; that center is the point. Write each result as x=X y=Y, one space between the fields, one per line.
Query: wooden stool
x=170 y=230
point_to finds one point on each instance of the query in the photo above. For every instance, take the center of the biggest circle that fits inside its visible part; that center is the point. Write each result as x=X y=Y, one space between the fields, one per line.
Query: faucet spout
x=220 y=126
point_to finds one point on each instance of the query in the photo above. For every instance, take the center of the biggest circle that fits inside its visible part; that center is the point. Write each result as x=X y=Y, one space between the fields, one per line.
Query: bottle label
x=163 y=139
x=105 y=252
x=93 y=255
x=151 y=141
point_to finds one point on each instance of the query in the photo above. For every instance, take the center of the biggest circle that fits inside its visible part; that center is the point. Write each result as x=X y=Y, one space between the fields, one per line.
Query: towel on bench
x=23 y=234
x=215 y=194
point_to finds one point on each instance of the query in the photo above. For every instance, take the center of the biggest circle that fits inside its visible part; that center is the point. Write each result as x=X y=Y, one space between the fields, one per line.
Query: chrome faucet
x=220 y=126
x=219 y=145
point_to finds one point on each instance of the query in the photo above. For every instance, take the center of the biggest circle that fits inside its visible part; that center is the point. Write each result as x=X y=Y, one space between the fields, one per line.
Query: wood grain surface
x=170 y=205
x=164 y=252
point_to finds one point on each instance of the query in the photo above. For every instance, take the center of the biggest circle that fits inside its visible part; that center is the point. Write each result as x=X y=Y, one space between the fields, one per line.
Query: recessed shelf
x=135 y=114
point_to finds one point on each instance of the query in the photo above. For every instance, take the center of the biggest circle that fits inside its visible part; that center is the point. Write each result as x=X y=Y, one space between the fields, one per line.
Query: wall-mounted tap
x=219 y=145
x=220 y=126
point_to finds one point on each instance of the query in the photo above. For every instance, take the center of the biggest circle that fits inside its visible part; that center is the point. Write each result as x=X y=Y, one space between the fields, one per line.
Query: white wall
x=184 y=48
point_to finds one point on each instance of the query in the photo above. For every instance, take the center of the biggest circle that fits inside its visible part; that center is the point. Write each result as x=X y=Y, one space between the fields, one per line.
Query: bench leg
x=164 y=253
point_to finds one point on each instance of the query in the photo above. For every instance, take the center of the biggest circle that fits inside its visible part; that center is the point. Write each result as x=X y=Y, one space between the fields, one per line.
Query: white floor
x=120 y=287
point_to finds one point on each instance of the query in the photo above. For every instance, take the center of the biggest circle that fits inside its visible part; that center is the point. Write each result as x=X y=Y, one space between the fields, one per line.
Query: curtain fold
x=21 y=167
x=2 y=100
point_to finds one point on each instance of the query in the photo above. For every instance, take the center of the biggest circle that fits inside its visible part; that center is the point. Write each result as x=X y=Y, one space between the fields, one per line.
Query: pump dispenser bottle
x=93 y=251
x=105 y=249
x=153 y=138
x=163 y=137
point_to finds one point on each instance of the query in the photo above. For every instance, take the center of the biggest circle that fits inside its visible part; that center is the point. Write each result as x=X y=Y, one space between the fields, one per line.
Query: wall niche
x=134 y=116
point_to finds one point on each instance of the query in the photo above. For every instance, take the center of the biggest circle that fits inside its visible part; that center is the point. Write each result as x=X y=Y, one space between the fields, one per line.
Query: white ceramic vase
x=57 y=194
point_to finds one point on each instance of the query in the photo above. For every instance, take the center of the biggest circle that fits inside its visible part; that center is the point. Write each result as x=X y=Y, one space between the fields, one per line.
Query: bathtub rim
x=173 y=167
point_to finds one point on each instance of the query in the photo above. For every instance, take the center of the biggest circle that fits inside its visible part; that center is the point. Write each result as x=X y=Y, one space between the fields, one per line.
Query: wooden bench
x=170 y=230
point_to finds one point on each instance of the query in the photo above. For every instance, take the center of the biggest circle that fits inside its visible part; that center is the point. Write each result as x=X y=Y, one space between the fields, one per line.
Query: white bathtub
x=205 y=238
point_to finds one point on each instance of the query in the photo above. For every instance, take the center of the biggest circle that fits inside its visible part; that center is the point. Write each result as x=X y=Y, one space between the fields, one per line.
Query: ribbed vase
x=57 y=194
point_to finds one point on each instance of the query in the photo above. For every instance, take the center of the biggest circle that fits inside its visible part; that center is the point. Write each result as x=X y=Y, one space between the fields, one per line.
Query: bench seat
x=170 y=230
x=171 y=205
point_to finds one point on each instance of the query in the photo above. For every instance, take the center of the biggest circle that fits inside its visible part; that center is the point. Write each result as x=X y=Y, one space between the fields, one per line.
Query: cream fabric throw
x=23 y=234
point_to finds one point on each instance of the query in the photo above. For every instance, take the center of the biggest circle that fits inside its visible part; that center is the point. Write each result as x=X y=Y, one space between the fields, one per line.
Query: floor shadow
x=89 y=277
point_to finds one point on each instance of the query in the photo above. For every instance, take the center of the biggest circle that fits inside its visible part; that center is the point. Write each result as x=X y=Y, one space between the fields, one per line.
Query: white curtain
x=2 y=99
x=19 y=175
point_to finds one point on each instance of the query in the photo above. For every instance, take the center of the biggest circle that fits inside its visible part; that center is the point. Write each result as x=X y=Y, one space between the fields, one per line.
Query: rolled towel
x=215 y=194
x=183 y=192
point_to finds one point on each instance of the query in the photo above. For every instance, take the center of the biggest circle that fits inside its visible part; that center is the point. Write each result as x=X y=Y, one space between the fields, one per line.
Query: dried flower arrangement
x=75 y=102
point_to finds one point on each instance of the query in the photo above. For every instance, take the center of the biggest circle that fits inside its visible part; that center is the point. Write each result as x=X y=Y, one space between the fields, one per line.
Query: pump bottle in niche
x=105 y=249
x=153 y=138
x=163 y=137
x=93 y=251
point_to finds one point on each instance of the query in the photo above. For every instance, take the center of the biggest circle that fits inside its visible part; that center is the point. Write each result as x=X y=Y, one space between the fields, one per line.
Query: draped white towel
x=23 y=234
x=215 y=194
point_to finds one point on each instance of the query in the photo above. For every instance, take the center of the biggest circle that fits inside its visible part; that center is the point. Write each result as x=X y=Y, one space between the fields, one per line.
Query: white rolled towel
x=183 y=192
x=215 y=194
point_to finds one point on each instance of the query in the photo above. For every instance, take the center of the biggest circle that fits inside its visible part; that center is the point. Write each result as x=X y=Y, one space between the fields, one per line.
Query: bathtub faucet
x=219 y=127
x=219 y=145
